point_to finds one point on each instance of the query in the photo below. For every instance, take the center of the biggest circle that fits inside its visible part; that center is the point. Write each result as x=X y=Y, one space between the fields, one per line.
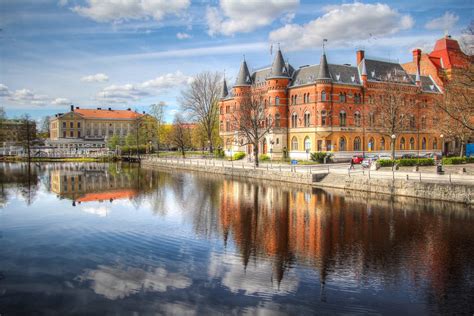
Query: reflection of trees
x=390 y=241
x=22 y=177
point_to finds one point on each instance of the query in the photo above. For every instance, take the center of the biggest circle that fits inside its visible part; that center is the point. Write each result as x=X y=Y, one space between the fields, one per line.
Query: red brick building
x=342 y=108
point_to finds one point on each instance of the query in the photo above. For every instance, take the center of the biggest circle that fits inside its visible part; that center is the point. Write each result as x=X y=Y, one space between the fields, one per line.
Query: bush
x=133 y=149
x=457 y=160
x=386 y=162
x=320 y=155
x=263 y=157
x=409 y=162
x=238 y=156
x=219 y=153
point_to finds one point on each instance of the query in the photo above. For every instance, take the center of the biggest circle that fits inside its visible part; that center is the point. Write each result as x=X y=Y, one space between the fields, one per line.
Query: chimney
x=77 y=108
x=72 y=108
x=143 y=112
x=129 y=109
x=417 y=55
x=110 y=109
x=360 y=55
x=99 y=108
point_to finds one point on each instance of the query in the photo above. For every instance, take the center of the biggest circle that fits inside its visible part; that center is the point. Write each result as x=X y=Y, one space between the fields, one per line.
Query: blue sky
x=94 y=53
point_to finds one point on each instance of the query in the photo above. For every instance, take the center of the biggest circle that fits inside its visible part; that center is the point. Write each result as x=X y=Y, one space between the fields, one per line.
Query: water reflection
x=99 y=233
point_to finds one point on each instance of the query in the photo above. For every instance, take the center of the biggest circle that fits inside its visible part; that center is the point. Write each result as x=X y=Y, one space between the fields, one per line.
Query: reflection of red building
x=107 y=196
x=332 y=233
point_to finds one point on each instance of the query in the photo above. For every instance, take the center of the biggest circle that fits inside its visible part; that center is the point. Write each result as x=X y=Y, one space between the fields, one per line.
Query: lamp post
x=271 y=152
x=393 y=145
x=442 y=144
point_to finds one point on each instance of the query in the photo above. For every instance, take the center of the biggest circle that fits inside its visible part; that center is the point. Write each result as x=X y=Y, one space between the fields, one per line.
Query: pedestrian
x=352 y=164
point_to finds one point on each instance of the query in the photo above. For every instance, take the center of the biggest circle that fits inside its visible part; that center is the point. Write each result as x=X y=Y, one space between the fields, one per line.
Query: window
x=71 y=134
x=357 y=118
x=382 y=143
x=294 y=120
x=269 y=120
x=64 y=124
x=435 y=143
x=342 y=118
x=277 y=100
x=294 y=143
x=307 y=144
x=71 y=124
x=320 y=145
x=371 y=144
x=78 y=124
x=357 y=143
x=423 y=122
x=78 y=133
x=412 y=122
x=269 y=101
x=64 y=134
x=227 y=126
x=307 y=117
x=342 y=144
x=402 y=143
x=323 y=117
x=423 y=144
x=357 y=98
x=342 y=97
x=412 y=143
x=221 y=126
x=371 y=119
x=277 y=120
x=277 y=141
x=323 y=96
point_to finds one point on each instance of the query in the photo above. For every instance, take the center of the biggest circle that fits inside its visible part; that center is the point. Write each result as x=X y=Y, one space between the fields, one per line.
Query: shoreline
x=458 y=193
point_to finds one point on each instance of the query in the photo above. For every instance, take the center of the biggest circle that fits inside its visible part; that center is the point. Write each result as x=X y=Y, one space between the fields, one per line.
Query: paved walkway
x=425 y=174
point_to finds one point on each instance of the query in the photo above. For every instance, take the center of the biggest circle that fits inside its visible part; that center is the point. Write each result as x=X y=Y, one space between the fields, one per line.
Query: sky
x=133 y=53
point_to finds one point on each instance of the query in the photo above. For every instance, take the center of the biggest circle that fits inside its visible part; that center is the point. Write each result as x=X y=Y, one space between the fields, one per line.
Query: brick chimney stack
x=360 y=56
x=417 y=56
x=72 y=108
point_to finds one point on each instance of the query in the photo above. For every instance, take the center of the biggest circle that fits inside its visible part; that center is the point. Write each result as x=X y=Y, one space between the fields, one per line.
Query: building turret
x=243 y=78
x=225 y=92
x=279 y=68
x=323 y=73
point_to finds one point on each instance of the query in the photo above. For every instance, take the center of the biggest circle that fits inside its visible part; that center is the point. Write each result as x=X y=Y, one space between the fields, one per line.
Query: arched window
x=265 y=103
x=294 y=143
x=323 y=118
x=382 y=143
x=412 y=122
x=294 y=120
x=357 y=143
x=423 y=122
x=307 y=143
x=372 y=119
x=342 y=97
x=371 y=144
x=357 y=118
x=423 y=144
x=221 y=126
x=402 y=143
x=342 y=144
x=323 y=96
x=227 y=126
x=435 y=143
x=412 y=143
x=342 y=118
x=277 y=120
x=307 y=118
x=357 y=98
x=277 y=100
x=269 y=101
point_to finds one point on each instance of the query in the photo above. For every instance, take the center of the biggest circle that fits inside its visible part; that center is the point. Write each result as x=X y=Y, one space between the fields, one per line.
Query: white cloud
x=100 y=77
x=342 y=24
x=234 y=16
x=445 y=22
x=123 y=10
x=134 y=92
x=4 y=91
x=61 y=101
x=183 y=35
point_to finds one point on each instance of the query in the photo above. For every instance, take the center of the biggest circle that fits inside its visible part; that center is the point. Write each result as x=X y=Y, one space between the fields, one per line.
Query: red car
x=357 y=159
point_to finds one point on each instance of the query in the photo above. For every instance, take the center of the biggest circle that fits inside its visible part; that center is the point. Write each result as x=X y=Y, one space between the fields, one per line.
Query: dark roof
x=225 y=91
x=427 y=84
x=378 y=70
x=279 y=68
x=324 y=69
x=243 y=78
x=261 y=75
x=338 y=73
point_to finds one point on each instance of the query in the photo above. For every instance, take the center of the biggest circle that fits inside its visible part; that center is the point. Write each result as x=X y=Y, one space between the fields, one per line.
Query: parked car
x=385 y=156
x=408 y=156
x=357 y=159
x=367 y=162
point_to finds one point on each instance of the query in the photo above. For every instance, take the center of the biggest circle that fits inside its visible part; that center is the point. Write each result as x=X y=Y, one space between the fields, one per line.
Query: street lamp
x=271 y=152
x=393 y=146
x=442 y=144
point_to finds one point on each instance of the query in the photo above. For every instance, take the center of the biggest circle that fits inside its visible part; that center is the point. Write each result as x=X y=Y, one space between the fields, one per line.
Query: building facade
x=90 y=128
x=344 y=108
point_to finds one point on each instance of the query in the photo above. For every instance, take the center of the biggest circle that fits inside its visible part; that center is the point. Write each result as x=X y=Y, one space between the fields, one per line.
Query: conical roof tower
x=279 y=68
x=323 y=73
x=225 y=91
x=243 y=78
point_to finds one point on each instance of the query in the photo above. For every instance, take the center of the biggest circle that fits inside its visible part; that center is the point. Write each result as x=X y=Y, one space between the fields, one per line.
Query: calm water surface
x=110 y=239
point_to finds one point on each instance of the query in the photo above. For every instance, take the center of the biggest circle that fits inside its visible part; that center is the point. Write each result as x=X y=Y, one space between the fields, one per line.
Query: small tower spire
x=279 y=68
x=243 y=78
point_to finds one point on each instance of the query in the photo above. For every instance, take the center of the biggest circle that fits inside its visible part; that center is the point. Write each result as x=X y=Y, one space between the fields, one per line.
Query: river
x=90 y=238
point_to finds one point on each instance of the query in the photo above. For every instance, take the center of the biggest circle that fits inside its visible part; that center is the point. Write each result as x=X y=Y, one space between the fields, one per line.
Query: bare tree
x=457 y=102
x=200 y=101
x=249 y=120
x=393 y=108
x=180 y=134
x=27 y=134
x=157 y=111
x=466 y=40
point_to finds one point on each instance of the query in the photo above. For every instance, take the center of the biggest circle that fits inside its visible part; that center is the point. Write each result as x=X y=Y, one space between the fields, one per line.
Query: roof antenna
x=244 y=57
x=324 y=46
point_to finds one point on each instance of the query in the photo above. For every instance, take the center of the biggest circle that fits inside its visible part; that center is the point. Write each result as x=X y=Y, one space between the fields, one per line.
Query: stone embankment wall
x=428 y=190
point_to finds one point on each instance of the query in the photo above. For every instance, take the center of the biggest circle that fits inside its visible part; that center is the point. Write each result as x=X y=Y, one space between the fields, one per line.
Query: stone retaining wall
x=426 y=190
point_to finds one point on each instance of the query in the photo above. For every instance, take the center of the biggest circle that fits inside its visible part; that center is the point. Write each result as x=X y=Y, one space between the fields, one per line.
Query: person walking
x=352 y=164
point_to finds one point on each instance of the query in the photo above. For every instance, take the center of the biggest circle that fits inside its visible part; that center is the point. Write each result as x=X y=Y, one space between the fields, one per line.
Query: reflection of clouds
x=256 y=278
x=115 y=283
x=101 y=211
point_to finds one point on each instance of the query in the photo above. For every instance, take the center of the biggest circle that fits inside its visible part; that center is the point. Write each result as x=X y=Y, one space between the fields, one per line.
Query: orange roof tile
x=108 y=114
x=105 y=196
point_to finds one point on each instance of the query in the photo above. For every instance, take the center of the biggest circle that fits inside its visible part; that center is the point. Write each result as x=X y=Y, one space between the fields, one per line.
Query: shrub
x=409 y=162
x=386 y=162
x=457 y=160
x=238 y=156
x=219 y=153
x=263 y=157
x=320 y=155
x=133 y=149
